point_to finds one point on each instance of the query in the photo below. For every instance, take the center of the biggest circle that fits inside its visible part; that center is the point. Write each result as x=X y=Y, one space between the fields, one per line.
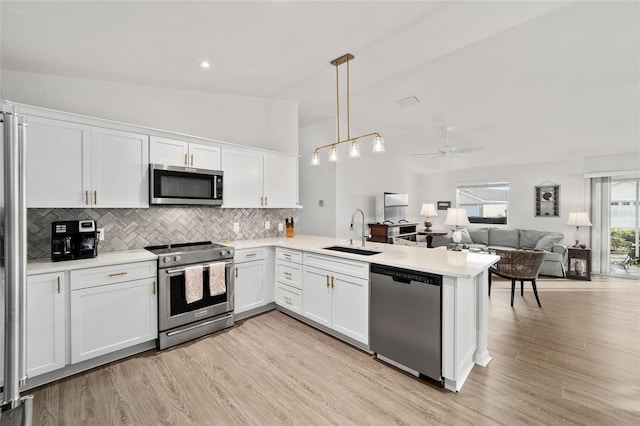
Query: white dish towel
x=217 y=281
x=193 y=283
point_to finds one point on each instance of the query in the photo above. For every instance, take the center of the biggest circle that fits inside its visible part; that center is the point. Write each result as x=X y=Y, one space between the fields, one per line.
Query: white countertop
x=44 y=266
x=456 y=264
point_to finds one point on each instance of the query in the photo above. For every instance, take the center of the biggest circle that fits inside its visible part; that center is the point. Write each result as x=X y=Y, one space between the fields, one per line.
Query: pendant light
x=354 y=151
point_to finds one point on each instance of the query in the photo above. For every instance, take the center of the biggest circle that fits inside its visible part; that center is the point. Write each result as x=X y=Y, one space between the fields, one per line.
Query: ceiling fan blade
x=470 y=149
x=426 y=153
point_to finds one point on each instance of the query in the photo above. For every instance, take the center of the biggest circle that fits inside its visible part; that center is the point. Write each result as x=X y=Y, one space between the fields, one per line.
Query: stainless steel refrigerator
x=16 y=409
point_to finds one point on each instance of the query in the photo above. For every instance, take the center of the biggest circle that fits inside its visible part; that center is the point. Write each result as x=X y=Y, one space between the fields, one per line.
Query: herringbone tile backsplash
x=127 y=229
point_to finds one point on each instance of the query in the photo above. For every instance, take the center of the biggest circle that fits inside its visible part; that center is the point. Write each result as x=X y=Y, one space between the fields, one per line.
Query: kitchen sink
x=353 y=250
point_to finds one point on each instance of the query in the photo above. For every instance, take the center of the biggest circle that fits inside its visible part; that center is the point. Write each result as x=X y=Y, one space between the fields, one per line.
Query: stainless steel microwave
x=184 y=185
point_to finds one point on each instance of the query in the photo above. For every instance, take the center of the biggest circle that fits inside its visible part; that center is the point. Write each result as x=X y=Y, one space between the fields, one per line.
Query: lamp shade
x=456 y=217
x=578 y=219
x=428 y=210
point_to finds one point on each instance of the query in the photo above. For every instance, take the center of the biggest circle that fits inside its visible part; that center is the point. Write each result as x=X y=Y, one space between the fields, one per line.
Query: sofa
x=514 y=239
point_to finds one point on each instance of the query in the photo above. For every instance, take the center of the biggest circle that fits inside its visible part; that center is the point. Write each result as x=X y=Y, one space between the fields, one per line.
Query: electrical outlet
x=267 y=225
x=280 y=227
x=100 y=234
x=236 y=227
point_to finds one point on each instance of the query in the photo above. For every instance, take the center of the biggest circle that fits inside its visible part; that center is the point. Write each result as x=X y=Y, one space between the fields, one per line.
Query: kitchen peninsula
x=464 y=292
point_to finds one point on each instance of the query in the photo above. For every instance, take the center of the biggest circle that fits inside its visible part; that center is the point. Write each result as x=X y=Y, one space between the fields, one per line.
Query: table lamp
x=456 y=217
x=578 y=219
x=428 y=210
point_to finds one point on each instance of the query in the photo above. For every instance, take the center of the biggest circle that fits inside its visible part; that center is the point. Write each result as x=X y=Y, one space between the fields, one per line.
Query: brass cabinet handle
x=185 y=160
x=286 y=254
x=192 y=159
x=154 y=287
x=262 y=201
x=95 y=197
x=58 y=285
x=332 y=281
x=116 y=274
x=86 y=197
x=251 y=254
x=287 y=299
x=266 y=202
x=287 y=274
x=236 y=272
x=327 y=281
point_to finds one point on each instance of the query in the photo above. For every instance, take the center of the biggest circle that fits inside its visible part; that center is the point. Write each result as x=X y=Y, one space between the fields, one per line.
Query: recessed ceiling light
x=204 y=64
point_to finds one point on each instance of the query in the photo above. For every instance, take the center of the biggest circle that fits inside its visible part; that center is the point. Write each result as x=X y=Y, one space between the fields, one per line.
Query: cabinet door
x=280 y=181
x=45 y=323
x=350 y=308
x=242 y=178
x=120 y=169
x=59 y=163
x=168 y=151
x=316 y=295
x=204 y=156
x=249 y=285
x=111 y=317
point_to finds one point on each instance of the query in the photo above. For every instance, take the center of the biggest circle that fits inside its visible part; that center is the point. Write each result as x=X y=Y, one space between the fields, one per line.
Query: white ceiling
x=529 y=81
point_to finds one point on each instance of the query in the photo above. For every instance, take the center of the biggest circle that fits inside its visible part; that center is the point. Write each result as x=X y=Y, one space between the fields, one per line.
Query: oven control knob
x=166 y=260
x=177 y=258
x=224 y=252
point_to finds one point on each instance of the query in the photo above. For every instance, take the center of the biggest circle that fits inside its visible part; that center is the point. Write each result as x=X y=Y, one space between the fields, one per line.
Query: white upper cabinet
x=180 y=153
x=73 y=165
x=120 y=168
x=256 y=179
x=242 y=178
x=58 y=163
x=280 y=181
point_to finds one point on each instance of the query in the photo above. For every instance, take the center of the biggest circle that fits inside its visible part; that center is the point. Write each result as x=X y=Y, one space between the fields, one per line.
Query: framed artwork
x=443 y=205
x=547 y=200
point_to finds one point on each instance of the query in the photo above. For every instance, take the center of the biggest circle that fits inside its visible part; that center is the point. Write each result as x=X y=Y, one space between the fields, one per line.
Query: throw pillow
x=466 y=238
x=547 y=242
x=529 y=238
x=479 y=235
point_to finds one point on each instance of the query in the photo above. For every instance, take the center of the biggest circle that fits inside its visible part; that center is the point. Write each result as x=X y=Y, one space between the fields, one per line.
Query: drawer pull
x=251 y=254
x=117 y=274
x=286 y=254
x=287 y=299
x=58 y=285
x=287 y=274
x=154 y=288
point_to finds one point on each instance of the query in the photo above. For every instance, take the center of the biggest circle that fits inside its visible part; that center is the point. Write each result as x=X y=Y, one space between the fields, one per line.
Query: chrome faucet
x=364 y=235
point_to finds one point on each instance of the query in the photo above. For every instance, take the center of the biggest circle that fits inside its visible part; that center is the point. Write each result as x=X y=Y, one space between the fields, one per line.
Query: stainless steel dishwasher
x=405 y=322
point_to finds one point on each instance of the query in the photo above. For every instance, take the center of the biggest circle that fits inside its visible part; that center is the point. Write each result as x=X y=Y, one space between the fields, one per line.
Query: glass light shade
x=333 y=155
x=354 y=152
x=456 y=217
x=579 y=219
x=378 y=144
x=428 y=210
x=315 y=159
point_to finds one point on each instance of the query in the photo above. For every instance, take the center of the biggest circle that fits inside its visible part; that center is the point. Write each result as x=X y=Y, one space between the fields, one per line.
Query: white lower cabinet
x=337 y=300
x=114 y=312
x=288 y=279
x=250 y=279
x=45 y=323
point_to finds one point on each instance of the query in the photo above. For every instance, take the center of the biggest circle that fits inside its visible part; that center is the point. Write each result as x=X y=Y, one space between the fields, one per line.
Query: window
x=484 y=203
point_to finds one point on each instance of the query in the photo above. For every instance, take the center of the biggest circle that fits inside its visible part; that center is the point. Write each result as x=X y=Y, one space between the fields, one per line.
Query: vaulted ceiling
x=528 y=81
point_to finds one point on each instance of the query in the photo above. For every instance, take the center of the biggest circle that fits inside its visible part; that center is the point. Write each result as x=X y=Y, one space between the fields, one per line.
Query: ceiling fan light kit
x=354 y=151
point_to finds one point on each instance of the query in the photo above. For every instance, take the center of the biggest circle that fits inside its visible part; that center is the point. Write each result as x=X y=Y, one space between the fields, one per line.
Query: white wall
x=262 y=123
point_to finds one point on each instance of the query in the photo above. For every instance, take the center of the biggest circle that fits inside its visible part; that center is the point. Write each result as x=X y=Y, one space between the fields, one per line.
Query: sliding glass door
x=624 y=227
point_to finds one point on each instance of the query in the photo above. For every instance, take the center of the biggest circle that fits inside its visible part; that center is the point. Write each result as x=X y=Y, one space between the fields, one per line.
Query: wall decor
x=443 y=205
x=547 y=199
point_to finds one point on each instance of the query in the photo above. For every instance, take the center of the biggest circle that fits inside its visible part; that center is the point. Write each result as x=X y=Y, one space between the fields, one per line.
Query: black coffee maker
x=74 y=239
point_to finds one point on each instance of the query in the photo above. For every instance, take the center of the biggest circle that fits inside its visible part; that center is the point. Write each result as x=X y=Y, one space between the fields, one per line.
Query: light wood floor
x=576 y=361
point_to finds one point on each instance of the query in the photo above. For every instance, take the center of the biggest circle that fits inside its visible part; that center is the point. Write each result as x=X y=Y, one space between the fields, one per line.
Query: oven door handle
x=173 y=333
x=175 y=271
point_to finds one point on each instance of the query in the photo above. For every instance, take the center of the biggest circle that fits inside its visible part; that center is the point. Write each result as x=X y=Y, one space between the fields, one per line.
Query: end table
x=579 y=263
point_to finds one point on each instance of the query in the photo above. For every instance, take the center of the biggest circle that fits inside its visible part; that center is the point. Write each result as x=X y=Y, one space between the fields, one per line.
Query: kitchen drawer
x=247 y=255
x=92 y=277
x=338 y=265
x=289 y=297
x=289 y=273
x=288 y=255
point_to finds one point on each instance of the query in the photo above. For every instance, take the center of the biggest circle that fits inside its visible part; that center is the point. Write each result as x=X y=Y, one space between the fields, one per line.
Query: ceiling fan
x=450 y=150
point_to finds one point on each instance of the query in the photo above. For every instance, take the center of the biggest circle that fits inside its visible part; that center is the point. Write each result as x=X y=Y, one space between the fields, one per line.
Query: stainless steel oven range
x=178 y=320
